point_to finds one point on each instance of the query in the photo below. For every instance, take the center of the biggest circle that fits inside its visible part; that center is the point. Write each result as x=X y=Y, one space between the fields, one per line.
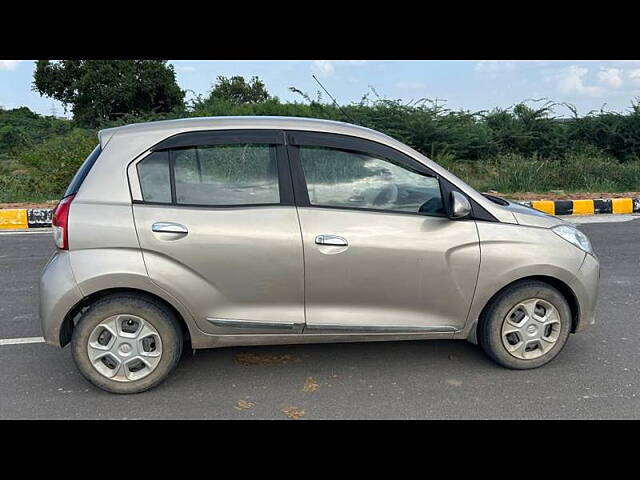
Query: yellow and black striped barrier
x=20 y=218
x=586 y=207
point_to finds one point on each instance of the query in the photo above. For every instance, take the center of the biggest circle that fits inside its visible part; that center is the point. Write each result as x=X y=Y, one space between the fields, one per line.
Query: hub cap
x=124 y=348
x=531 y=329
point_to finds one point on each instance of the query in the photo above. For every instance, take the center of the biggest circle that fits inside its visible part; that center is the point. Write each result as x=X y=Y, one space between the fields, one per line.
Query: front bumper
x=585 y=287
x=58 y=295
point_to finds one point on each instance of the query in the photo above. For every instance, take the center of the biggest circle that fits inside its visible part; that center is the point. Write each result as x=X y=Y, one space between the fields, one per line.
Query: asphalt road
x=596 y=376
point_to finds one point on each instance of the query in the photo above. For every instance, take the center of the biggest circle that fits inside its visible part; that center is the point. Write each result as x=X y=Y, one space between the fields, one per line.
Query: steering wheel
x=387 y=195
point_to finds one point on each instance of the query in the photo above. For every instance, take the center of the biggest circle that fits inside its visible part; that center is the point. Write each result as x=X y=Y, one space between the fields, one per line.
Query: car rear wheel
x=127 y=343
x=525 y=326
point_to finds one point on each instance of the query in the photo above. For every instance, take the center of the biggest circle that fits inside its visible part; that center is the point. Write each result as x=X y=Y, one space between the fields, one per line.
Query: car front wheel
x=525 y=326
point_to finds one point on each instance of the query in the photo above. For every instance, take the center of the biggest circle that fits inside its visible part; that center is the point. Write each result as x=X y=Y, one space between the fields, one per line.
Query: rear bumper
x=58 y=295
x=585 y=286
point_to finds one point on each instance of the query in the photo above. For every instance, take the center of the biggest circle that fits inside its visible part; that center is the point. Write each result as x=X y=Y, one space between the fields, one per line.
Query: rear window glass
x=82 y=172
x=234 y=174
x=155 y=180
x=238 y=174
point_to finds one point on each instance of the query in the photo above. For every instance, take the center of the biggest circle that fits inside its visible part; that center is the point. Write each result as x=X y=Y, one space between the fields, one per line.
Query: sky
x=459 y=84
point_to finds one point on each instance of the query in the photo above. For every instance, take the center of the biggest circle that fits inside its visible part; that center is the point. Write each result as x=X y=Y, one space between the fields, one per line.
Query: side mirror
x=460 y=206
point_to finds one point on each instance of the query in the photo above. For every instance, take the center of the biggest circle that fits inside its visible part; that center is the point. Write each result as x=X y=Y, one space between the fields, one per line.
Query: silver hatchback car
x=215 y=232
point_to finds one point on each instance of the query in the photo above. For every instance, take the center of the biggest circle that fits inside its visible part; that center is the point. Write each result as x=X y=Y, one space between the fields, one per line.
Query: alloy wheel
x=124 y=348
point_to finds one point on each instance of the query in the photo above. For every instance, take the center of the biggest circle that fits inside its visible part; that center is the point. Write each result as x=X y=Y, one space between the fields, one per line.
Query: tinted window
x=238 y=174
x=344 y=178
x=82 y=172
x=155 y=182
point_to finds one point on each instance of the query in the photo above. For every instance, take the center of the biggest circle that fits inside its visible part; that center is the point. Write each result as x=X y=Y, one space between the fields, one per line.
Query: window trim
x=296 y=139
x=220 y=137
x=272 y=138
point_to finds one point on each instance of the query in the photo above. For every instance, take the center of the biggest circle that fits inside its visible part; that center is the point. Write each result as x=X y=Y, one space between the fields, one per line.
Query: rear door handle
x=169 y=227
x=332 y=240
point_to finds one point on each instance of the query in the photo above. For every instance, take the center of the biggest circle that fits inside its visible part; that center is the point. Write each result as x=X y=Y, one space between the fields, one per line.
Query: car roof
x=171 y=127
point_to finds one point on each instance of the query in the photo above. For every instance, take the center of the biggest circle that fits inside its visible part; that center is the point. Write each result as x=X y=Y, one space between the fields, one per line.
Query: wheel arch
x=73 y=316
x=566 y=291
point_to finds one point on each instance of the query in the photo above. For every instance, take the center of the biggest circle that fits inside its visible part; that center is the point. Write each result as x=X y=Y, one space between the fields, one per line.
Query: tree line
x=39 y=154
x=111 y=92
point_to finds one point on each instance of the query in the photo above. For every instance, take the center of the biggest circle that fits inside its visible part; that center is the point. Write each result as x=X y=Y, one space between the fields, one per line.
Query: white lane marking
x=20 y=341
x=600 y=218
x=31 y=231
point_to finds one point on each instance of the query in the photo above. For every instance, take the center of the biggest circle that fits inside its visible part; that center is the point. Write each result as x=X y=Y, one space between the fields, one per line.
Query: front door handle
x=169 y=227
x=332 y=240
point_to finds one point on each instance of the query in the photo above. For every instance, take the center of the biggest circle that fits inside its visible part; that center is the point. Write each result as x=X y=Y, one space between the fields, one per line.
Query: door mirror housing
x=460 y=206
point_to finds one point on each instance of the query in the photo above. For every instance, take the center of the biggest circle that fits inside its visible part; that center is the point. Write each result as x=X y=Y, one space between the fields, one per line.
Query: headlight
x=575 y=236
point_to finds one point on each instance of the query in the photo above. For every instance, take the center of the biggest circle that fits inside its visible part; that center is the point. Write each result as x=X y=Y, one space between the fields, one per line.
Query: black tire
x=158 y=315
x=490 y=324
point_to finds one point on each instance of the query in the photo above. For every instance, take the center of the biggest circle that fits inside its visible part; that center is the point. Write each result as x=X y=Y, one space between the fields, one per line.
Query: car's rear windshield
x=82 y=172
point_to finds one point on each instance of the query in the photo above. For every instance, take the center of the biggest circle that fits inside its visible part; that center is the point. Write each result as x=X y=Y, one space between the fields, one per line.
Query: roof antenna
x=336 y=103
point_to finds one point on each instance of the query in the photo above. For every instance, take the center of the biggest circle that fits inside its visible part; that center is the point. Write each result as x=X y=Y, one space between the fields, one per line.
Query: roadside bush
x=614 y=134
x=20 y=127
x=584 y=171
x=44 y=170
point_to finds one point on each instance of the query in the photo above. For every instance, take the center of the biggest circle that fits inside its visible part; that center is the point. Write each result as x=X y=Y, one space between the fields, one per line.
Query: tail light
x=60 y=223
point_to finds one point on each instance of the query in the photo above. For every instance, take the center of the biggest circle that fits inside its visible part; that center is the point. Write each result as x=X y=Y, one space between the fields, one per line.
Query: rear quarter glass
x=82 y=172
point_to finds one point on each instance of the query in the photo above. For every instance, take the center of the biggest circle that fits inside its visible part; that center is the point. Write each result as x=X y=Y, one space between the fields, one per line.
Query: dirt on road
x=48 y=204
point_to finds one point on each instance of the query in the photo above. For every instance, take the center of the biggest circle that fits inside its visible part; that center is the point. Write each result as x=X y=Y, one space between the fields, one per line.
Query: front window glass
x=345 y=178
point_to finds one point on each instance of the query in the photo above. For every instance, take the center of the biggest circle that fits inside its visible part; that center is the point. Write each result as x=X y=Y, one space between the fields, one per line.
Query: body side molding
x=380 y=328
x=236 y=323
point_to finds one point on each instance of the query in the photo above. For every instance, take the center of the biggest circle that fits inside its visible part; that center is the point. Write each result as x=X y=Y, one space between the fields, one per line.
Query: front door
x=380 y=254
x=219 y=230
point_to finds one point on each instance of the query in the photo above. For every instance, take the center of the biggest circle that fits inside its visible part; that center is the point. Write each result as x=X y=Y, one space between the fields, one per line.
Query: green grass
x=576 y=172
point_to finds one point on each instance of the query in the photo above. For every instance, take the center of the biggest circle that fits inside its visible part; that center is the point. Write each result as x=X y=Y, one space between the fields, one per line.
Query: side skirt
x=217 y=341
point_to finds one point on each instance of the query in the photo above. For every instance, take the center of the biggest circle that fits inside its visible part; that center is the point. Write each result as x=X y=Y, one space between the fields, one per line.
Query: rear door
x=218 y=229
x=381 y=256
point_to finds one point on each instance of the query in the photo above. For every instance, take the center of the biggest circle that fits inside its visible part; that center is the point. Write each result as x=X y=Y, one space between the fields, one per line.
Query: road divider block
x=13 y=219
x=21 y=218
x=545 y=206
x=586 y=207
x=622 y=205
x=583 y=207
